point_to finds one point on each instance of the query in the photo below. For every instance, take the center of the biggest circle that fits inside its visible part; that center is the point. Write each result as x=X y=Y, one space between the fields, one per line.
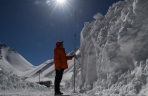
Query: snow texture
x=10 y=82
x=114 y=51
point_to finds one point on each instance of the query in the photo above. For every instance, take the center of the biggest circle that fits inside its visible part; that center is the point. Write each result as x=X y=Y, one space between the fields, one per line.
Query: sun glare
x=61 y=1
x=62 y=4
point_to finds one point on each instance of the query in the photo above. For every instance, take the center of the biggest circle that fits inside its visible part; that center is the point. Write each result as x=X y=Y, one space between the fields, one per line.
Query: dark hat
x=59 y=43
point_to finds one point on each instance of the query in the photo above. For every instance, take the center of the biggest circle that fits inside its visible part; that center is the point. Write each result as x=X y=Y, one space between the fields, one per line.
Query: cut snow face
x=113 y=47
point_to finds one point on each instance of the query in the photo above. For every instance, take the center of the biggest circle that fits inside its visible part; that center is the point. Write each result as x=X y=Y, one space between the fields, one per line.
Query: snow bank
x=12 y=83
x=114 y=50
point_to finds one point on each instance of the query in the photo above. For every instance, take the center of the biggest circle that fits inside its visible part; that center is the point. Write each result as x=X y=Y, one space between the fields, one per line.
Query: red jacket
x=60 y=58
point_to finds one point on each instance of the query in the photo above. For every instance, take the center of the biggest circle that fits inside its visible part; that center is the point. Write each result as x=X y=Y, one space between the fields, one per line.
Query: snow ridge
x=12 y=61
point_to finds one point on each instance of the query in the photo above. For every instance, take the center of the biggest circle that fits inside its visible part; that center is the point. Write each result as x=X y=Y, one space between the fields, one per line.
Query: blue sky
x=32 y=27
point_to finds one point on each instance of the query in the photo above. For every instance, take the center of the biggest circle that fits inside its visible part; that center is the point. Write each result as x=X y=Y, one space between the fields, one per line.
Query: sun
x=61 y=1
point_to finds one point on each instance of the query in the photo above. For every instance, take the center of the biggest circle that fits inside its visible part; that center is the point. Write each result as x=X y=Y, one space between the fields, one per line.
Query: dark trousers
x=58 y=78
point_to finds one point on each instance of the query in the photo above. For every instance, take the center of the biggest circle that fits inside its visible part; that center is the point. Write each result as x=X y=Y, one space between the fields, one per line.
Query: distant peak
x=2 y=45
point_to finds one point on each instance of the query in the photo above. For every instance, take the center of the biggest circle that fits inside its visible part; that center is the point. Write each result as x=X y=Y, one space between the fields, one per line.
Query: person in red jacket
x=60 y=61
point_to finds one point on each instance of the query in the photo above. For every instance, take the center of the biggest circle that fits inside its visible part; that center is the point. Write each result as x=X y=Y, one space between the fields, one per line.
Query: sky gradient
x=32 y=27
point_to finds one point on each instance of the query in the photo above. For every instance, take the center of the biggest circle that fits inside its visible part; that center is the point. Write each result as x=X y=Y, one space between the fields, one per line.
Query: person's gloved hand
x=73 y=55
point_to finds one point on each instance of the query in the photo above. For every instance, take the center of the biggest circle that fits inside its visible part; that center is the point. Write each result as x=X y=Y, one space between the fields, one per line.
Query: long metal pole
x=74 y=52
x=39 y=76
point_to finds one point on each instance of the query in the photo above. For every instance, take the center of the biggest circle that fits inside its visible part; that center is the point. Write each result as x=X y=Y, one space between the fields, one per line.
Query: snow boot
x=58 y=93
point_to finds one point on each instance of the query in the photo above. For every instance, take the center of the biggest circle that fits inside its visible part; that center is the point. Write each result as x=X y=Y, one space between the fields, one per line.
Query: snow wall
x=113 y=45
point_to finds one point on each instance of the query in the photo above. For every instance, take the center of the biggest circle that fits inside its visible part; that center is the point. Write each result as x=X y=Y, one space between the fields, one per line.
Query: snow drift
x=114 y=50
x=10 y=82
